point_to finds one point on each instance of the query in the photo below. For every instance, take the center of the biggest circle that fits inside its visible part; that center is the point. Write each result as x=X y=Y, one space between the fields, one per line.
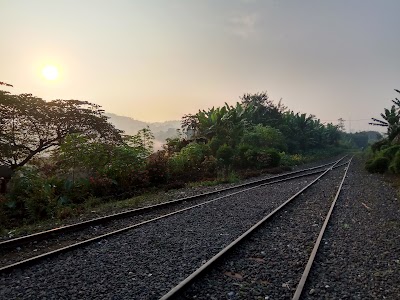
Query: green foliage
x=389 y=152
x=215 y=143
x=186 y=165
x=225 y=155
x=394 y=166
x=29 y=125
x=390 y=119
x=380 y=145
x=157 y=168
x=77 y=152
x=260 y=137
x=359 y=139
x=174 y=145
x=30 y=197
x=254 y=158
x=269 y=158
x=142 y=142
x=292 y=159
x=378 y=165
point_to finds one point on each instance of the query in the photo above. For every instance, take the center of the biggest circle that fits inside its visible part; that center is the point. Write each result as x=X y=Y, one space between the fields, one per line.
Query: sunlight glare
x=50 y=72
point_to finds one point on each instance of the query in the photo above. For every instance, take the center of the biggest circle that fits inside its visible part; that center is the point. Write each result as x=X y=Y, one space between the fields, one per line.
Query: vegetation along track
x=29 y=249
x=145 y=263
x=265 y=262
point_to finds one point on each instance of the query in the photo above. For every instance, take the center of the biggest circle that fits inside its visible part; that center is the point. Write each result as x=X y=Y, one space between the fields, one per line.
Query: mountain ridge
x=161 y=130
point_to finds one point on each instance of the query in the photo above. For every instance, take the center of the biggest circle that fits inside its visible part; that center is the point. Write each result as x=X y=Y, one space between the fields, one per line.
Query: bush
x=215 y=143
x=186 y=165
x=157 y=168
x=76 y=191
x=377 y=165
x=269 y=158
x=292 y=159
x=389 y=152
x=30 y=197
x=209 y=166
x=225 y=155
x=379 y=145
x=101 y=186
x=261 y=137
x=394 y=166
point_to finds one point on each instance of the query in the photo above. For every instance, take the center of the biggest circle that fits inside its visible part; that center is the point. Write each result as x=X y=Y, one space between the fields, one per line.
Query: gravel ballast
x=12 y=255
x=145 y=263
x=360 y=253
x=270 y=263
x=359 y=258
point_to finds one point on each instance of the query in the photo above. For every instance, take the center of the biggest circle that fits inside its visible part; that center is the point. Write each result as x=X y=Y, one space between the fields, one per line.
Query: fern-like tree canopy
x=29 y=125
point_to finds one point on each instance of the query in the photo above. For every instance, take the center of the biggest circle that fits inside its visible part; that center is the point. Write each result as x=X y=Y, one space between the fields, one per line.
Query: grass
x=92 y=208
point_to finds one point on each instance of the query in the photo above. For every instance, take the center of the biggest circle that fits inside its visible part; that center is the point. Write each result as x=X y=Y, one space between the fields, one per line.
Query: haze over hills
x=161 y=130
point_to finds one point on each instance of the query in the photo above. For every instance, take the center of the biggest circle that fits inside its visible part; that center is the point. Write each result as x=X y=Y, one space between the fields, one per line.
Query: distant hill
x=161 y=130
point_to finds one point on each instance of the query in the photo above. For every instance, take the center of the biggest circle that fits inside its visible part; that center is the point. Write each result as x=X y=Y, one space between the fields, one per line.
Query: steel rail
x=68 y=228
x=310 y=262
x=35 y=259
x=183 y=284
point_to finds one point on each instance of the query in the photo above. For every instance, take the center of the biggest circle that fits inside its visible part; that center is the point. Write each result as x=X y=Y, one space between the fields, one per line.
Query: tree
x=391 y=120
x=264 y=111
x=6 y=84
x=29 y=125
x=262 y=137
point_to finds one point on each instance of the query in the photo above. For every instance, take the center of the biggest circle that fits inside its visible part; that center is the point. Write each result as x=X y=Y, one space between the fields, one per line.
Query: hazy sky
x=157 y=60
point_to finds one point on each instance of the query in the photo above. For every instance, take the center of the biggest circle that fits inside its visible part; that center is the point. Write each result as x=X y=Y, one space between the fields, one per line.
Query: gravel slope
x=145 y=263
x=13 y=255
x=360 y=255
x=270 y=263
x=359 y=258
x=151 y=199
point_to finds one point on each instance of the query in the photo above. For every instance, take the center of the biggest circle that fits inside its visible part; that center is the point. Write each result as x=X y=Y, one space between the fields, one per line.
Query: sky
x=156 y=60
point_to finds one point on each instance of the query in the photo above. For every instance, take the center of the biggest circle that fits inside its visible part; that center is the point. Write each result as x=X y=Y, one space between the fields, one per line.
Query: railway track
x=153 y=213
x=241 y=270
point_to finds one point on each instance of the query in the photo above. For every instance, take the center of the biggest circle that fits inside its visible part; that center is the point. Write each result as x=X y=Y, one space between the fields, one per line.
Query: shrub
x=269 y=158
x=157 y=168
x=394 y=166
x=209 y=166
x=215 y=143
x=292 y=159
x=261 y=137
x=225 y=155
x=389 y=152
x=30 y=197
x=175 y=185
x=379 y=145
x=101 y=186
x=377 y=165
x=75 y=191
x=186 y=165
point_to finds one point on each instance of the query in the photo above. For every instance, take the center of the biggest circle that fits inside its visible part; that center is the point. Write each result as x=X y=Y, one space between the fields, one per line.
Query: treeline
x=64 y=153
x=384 y=155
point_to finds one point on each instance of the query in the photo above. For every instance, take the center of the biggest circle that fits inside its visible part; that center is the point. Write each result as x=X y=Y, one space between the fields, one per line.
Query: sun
x=50 y=72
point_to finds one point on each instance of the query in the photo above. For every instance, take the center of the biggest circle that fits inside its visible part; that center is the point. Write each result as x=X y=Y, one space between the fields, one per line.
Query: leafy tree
x=143 y=141
x=360 y=139
x=6 y=84
x=77 y=152
x=391 y=120
x=29 y=125
x=261 y=137
x=264 y=111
